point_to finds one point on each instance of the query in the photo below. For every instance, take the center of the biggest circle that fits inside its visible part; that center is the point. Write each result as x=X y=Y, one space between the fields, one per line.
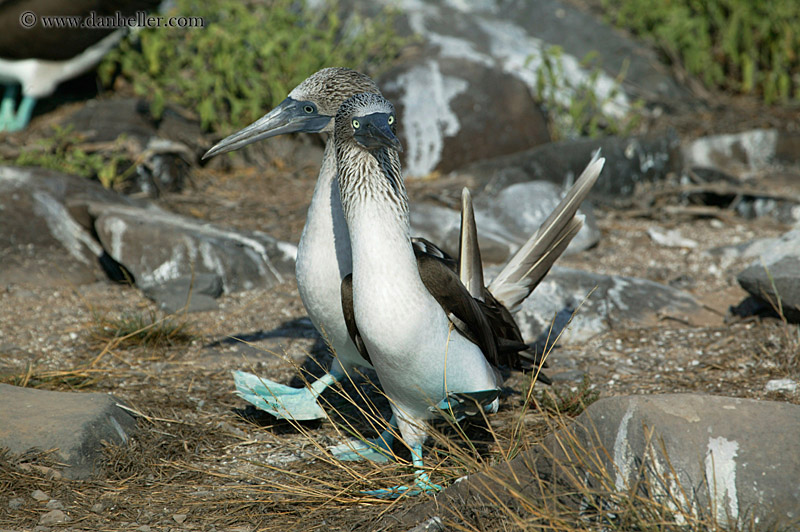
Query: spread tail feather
x=531 y=263
x=470 y=267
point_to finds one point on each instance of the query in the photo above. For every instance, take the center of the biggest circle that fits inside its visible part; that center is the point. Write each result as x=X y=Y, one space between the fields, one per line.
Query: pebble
x=179 y=518
x=39 y=495
x=97 y=508
x=53 y=517
x=781 y=385
x=16 y=503
x=144 y=528
x=54 y=504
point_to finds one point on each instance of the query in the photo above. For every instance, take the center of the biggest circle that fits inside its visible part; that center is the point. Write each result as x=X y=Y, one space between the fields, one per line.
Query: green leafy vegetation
x=735 y=45
x=578 y=108
x=64 y=151
x=247 y=58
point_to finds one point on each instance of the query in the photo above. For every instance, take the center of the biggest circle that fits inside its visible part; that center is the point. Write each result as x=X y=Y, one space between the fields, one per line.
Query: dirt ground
x=203 y=461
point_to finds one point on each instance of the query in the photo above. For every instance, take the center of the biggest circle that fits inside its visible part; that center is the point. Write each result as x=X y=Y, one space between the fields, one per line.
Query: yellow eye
x=391 y=119
x=356 y=125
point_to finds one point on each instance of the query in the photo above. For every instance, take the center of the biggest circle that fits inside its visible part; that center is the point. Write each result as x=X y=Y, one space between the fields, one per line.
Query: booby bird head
x=370 y=120
x=309 y=108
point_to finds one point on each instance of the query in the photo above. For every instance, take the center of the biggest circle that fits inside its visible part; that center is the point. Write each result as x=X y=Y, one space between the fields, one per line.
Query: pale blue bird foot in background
x=422 y=481
x=283 y=402
x=375 y=449
x=459 y=405
x=11 y=120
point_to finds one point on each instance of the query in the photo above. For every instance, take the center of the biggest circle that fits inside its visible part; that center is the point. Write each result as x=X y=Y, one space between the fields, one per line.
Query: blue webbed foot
x=11 y=120
x=283 y=402
x=422 y=482
x=375 y=449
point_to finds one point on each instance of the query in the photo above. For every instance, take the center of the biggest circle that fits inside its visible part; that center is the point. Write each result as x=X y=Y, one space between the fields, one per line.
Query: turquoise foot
x=283 y=402
x=11 y=120
x=459 y=405
x=422 y=485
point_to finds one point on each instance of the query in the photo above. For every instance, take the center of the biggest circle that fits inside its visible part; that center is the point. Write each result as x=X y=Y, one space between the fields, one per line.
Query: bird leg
x=375 y=449
x=422 y=481
x=284 y=402
x=11 y=120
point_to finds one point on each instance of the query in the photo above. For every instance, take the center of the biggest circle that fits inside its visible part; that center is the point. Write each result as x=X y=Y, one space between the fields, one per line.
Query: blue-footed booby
x=39 y=54
x=428 y=333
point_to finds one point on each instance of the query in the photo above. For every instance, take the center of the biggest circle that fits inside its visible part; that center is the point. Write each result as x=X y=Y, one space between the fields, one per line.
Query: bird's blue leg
x=376 y=449
x=422 y=481
x=9 y=119
x=284 y=402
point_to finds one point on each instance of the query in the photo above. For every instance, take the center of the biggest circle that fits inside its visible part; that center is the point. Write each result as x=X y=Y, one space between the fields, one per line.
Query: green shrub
x=246 y=58
x=742 y=46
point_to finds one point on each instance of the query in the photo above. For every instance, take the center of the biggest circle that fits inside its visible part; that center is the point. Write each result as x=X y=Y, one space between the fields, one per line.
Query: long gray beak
x=287 y=117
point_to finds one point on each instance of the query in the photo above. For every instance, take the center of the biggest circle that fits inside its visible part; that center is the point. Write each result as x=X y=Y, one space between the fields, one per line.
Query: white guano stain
x=758 y=147
x=623 y=457
x=720 y=465
x=427 y=115
x=63 y=228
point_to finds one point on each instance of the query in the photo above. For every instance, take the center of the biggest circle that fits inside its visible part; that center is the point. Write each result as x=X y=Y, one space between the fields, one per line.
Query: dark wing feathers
x=350 y=316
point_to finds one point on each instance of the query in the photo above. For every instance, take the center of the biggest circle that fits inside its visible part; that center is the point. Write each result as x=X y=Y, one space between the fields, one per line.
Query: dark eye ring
x=308 y=109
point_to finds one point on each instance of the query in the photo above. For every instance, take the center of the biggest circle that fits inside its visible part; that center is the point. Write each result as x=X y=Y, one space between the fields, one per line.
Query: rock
x=76 y=424
x=179 y=518
x=781 y=385
x=53 y=517
x=776 y=274
x=456 y=112
x=199 y=292
x=475 y=59
x=41 y=243
x=505 y=221
x=40 y=496
x=163 y=154
x=156 y=246
x=629 y=161
x=618 y=300
x=743 y=154
x=16 y=503
x=691 y=454
x=54 y=504
x=715 y=446
x=671 y=238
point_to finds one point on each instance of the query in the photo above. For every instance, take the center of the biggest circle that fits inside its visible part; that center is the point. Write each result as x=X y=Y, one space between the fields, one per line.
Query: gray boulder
x=76 y=424
x=693 y=455
x=775 y=275
x=604 y=300
x=156 y=246
x=191 y=293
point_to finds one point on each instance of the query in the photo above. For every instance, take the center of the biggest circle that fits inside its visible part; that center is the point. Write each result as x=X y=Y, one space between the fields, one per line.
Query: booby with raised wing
x=427 y=336
x=38 y=55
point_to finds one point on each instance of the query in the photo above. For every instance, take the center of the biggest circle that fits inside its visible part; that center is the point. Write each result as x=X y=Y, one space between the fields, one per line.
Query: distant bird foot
x=283 y=402
x=422 y=482
x=459 y=405
x=374 y=449
x=11 y=120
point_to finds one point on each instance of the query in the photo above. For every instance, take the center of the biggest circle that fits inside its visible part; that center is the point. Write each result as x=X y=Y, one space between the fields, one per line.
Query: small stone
x=144 y=528
x=179 y=518
x=53 y=517
x=54 y=504
x=97 y=508
x=16 y=503
x=671 y=238
x=39 y=495
x=781 y=385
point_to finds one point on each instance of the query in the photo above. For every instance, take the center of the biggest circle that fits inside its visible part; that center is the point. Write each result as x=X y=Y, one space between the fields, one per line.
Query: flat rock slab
x=76 y=424
x=735 y=460
x=775 y=275
x=601 y=301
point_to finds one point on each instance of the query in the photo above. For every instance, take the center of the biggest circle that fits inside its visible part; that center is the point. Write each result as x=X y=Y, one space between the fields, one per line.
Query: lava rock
x=156 y=246
x=629 y=161
x=192 y=294
x=76 y=424
x=743 y=154
x=776 y=275
x=603 y=300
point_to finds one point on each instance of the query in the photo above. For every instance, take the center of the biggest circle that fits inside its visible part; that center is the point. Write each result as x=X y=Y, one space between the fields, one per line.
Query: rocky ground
x=204 y=460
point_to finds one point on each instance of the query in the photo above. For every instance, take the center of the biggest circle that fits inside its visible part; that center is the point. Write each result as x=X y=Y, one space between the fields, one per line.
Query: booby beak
x=288 y=117
x=376 y=132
